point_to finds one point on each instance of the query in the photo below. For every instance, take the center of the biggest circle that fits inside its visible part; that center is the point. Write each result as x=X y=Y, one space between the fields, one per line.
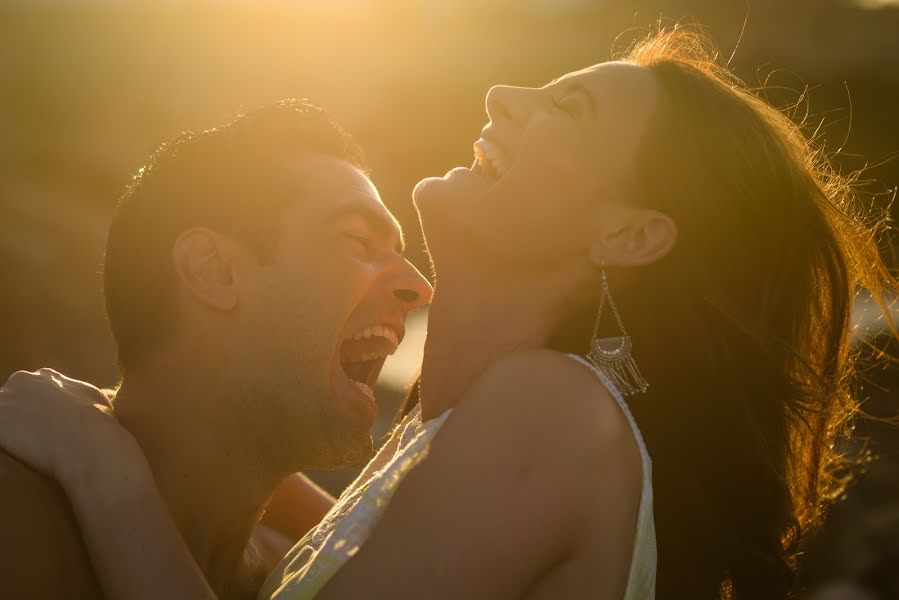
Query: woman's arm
x=134 y=546
x=65 y=429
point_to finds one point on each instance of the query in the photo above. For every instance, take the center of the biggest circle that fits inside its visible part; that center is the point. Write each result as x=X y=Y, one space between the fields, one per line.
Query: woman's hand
x=65 y=428
x=61 y=427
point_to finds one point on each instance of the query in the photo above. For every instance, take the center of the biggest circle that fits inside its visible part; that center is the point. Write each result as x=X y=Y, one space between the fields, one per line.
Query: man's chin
x=359 y=455
x=347 y=453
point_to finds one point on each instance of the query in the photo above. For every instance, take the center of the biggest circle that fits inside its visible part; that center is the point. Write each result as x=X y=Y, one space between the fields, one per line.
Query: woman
x=655 y=194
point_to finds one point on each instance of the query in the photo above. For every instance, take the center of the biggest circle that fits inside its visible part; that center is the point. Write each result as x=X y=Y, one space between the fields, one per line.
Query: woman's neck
x=472 y=324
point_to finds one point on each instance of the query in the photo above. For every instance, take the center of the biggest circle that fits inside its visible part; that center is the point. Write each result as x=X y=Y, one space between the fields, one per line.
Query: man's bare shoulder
x=42 y=554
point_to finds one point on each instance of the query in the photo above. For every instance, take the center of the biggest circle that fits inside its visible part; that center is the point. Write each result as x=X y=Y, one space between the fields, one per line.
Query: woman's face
x=550 y=164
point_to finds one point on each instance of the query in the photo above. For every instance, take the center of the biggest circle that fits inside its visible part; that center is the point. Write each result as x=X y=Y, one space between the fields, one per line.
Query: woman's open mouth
x=489 y=161
x=363 y=353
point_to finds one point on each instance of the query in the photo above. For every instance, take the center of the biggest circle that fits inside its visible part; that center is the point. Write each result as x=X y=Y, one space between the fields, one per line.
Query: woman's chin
x=422 y=191
x=448 y=211
x=458 y=185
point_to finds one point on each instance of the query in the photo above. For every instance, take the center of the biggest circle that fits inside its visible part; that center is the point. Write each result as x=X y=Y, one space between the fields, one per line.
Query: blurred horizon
x=90 y=87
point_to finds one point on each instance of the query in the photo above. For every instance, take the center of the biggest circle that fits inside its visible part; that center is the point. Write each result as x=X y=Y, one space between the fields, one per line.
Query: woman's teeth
x=489 y=158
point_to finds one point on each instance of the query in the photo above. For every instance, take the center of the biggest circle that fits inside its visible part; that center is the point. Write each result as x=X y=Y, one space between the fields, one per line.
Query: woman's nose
x=509 y=103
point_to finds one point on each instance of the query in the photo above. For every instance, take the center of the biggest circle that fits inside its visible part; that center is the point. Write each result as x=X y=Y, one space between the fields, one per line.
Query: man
x=254 y=285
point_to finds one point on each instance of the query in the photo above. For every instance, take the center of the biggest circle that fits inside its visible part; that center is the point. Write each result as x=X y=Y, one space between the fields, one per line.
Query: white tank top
x=324 y=550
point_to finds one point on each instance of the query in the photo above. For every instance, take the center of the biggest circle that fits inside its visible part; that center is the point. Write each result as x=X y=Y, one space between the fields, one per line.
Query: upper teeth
x=488 y=155
x=383 y=331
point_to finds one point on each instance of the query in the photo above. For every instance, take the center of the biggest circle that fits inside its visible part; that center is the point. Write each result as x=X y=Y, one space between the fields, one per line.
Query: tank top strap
x=619 y=398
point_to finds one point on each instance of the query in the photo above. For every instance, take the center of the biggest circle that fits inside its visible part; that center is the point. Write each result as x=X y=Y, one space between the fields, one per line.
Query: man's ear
x=204 y=263
x=638 y=237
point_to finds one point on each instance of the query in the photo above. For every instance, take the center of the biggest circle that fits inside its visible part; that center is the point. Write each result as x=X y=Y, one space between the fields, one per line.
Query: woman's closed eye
x=568 y=104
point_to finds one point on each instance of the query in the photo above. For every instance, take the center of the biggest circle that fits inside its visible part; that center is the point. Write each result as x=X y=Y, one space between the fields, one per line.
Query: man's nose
x=508 y=103
x=411 y=287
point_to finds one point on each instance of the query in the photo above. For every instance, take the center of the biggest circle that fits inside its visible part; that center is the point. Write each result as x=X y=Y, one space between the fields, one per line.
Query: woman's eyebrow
x=578 y=88
x=574 y=87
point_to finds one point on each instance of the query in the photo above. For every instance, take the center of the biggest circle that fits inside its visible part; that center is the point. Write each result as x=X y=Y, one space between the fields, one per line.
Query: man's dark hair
x=231 y=179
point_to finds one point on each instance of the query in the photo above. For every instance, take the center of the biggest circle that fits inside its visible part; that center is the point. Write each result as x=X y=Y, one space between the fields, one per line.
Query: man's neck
x=215 y=489
x=473 y=323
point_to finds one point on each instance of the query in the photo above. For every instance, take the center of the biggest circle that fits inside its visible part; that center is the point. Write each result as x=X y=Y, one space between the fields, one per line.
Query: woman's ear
x=638 y=237
x=204 y=265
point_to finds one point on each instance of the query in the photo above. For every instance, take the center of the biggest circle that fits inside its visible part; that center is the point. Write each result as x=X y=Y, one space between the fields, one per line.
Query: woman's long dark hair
x=742 y=330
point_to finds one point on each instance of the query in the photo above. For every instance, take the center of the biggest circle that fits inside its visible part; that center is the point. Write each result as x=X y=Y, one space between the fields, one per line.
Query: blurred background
x=88 y=87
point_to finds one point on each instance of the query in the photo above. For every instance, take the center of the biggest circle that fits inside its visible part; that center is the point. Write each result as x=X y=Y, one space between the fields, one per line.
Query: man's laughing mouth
x=362 y=354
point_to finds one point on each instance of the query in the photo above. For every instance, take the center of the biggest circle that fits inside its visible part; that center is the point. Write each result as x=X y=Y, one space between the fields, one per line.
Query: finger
x=19 y=377
x=58 y=377
x=87 y=391
x=19 y=381
x=66 y=381
x=27 y=387
x=45 y=376
x=26 y=379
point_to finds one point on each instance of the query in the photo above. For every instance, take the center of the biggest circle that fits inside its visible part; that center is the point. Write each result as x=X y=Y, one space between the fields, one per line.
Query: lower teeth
x=365 y=389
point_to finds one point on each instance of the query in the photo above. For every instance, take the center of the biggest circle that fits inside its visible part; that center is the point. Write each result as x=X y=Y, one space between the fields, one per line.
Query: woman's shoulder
x=553 y=400
x=546 y=381
x=544 y=417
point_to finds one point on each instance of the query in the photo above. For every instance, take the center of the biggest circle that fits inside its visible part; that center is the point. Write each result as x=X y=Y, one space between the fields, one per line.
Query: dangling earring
x=612 y=355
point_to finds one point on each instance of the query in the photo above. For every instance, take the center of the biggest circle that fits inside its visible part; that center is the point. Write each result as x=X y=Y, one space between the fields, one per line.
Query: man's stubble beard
x=297 y=427
x=346 y=450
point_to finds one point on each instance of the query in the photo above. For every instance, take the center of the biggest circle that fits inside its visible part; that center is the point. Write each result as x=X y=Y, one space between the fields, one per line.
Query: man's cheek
x=351 y=287
x=357 y=274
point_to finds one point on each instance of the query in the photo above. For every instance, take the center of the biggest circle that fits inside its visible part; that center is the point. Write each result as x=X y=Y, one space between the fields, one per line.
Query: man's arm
x=42 y=553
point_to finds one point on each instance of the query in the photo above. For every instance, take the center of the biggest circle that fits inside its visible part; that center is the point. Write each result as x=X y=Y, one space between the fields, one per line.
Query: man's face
x=319 y=321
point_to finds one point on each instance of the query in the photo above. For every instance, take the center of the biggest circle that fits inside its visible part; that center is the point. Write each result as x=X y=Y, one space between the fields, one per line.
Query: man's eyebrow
x=382 y=225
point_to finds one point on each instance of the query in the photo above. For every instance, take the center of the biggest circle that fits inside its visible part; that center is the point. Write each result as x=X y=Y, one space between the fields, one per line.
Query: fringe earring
x=612 y=355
